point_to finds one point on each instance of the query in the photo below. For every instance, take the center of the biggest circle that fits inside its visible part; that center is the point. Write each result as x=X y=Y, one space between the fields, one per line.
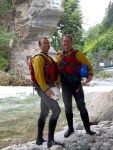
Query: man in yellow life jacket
x=69 y=64
x=44 y=73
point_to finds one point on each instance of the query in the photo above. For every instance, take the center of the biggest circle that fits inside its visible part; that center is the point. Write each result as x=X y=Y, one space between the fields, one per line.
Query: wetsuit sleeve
x=38 y=64
x=83 y=60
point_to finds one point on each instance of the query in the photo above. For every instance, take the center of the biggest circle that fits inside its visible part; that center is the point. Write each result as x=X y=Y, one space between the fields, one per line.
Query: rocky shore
x=79 y=140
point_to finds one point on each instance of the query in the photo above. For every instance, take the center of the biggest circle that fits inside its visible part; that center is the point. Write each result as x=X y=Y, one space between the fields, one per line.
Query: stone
x=56 y=147
x=38 y=20
x=101 y=108
x=100 y=142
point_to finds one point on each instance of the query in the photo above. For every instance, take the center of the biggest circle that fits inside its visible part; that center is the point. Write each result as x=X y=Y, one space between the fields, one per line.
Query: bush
x=5 y=37
x=11 y=73
x=3 y=64
x=6 y=6
x=106 y=75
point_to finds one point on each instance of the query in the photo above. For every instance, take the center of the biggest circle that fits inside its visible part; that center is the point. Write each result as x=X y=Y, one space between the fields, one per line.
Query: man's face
x=44 y=45
x=67 y=43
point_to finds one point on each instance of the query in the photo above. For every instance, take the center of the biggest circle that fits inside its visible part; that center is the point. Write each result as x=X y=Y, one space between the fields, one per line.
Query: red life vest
x=50 y=70
x=69 y=64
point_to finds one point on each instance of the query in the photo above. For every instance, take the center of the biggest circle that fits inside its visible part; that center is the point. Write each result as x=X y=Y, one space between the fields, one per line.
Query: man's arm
x=38 y=64
x=83 y=60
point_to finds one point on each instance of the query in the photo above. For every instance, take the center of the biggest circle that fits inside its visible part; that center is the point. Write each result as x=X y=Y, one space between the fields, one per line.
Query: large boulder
x=101 y=108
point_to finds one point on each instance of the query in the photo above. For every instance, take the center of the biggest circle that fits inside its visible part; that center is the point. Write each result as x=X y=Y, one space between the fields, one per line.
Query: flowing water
x=19 y=112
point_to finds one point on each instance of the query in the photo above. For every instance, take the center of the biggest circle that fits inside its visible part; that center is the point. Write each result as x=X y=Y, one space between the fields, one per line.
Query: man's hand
x=89 y=78
x=49 y=92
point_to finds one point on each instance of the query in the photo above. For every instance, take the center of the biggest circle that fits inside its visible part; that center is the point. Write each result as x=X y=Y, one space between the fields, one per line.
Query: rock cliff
x=33 y=20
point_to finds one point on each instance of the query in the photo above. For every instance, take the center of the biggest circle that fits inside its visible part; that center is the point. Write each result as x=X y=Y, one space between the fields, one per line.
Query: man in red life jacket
x=45 y=76
x=69 y=63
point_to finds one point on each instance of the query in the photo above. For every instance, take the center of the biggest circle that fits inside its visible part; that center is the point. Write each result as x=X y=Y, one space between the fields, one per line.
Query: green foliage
x=107 y=41
x=3 y=63
x=92 y=34
x=6 y=6
x=100 y=36
x=5 y=37
x=90 y=57
x=108 y=19
x=89 y=48
x=70 y=23
x=91 y=42
x=103 y=41
x=4 y=54
x=105 y=75
x=11 y=73
x=56 y=41
x=3 y=60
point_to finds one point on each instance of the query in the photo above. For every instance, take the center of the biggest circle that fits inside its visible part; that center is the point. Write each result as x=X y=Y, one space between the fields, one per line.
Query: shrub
x=3 y=64
x=5 y=37
x=106 y=75
x=6 y=6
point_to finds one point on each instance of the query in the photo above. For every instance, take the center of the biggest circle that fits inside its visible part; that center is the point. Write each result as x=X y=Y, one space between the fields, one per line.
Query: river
x=19 y=111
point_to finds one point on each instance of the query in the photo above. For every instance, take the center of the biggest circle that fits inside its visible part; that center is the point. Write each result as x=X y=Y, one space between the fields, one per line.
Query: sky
x=93 y=11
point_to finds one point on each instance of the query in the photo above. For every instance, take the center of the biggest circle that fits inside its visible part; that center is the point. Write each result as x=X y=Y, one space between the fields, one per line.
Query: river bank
x=79 y=140
x=19 y=109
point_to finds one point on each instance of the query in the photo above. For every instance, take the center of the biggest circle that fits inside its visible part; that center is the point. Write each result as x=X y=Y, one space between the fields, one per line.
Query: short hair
x=43 y=38
x=67 y=35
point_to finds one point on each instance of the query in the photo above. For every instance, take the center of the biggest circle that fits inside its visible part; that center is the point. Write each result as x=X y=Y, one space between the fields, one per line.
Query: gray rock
x=56 y=147
x=101 y=108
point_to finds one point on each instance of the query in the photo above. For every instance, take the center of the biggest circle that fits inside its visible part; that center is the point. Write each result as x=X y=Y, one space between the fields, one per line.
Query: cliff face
x=33 y=19
x=100 y=59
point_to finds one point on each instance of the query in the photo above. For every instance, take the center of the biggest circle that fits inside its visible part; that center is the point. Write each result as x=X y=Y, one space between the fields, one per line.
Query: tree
x=71 y=22
x=92 y=34
x=108 y=19
x=109 y=15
